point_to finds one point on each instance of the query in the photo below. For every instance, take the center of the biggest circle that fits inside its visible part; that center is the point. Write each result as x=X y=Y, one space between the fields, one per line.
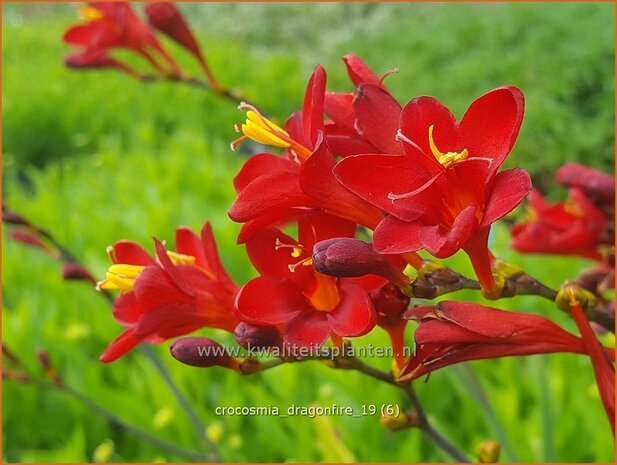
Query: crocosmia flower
x=455 y=332
x=309 y=306
x=574 y=227
x=275 y=188
x=444 y=192
x=110 y=25
x=171 y=295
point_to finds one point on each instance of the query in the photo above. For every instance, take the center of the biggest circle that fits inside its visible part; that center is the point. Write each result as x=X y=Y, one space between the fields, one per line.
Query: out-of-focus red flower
x=274 y=188
x=598 y=186
x=365 y=121
x=165 y=17
x=574 y=227
x=444 y=192
x=454 y=332
x=96 y=59
x=309 y=306
x=175 y=294
x=110 y=25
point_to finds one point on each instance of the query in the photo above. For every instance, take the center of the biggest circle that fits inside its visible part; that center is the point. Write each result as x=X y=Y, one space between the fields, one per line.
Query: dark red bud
x=13 y=218
x=390 y=304
x=48 y=368
x=201 y=352
x=76 y=271
x=28 y=238
x=596 y=184
x=346 y=257
x=257 y=337
x=165 y=17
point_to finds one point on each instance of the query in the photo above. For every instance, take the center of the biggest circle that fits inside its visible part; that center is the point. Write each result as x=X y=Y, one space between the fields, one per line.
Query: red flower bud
x=597 y=185
x=72 y=270
x=28 y=238
x=13 y=218
x=257 y=337
x=201 y=352
x=346 y=257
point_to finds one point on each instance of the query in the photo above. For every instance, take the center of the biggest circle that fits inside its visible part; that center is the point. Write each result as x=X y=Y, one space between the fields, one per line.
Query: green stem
x=468 y=376
x=198 y=425
x=112 y=417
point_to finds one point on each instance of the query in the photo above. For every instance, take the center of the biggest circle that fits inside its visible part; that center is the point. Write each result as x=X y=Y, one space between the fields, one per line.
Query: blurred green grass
x=95 y=157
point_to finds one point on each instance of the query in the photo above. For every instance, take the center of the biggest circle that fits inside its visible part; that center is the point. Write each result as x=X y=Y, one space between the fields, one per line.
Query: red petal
x=375 y=177
x=316 y=227
x=126 y=309
x=269 y=194
x=212 y=256
x=377 y=114
x=131 y=253
x=354 y=316
x=269 y=301
x=274 y=263
x=153 y=287
x=309 y=329
x=318 y=181
x=394 y=236
x=313 y=108
x=260 y=164
x=491 y=124
x=120 y=346
x=188 y=243
x=339 y=107
x=359 y=72
x=169 y=320
x=416 y=118
x=510 y=187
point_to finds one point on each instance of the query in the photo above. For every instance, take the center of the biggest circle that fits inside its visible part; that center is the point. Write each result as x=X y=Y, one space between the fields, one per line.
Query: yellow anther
x=120 y=277
x=296 y=252
x=305 y=262
x=89 y=13
x=181 y=259
x=264 y=131
x=445 y=159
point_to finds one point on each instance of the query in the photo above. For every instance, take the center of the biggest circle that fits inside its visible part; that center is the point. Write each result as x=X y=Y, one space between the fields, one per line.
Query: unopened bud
x=10 y=217
x=251 y=336
x=202 y=352
x=390 y=304
x=488 y=452
x=75 y=271
x=399 y=420
x=28 y=238
x=505 y=269
x=570 y=291
x=14 y=375
x=346 y=257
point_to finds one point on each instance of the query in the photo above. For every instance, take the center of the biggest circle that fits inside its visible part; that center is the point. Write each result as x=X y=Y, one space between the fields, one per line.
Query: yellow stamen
x=120 y=277
x=260 y=129
x=89 y=13
x=296 y=250
x=181 y=259
x=306 y=262
x=445 y=159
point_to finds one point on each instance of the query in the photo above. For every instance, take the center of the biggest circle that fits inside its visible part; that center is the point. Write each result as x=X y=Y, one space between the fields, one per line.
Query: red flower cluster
x=583 y=225
x=175 y=294
x=111 y=25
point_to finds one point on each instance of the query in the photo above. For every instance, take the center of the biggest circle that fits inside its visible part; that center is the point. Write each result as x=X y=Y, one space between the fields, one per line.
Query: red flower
x=272 y=189
x=454 y=332
x=574 y=227
x=598 y=186
x=308 y=306
x=176 y=294
x=443 y=194
x=365 y=121
x=110 y=25
x=96 y=59
x=165 y=17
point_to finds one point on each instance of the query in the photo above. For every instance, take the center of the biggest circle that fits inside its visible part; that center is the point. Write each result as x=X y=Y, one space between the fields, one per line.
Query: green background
x=96 y=157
